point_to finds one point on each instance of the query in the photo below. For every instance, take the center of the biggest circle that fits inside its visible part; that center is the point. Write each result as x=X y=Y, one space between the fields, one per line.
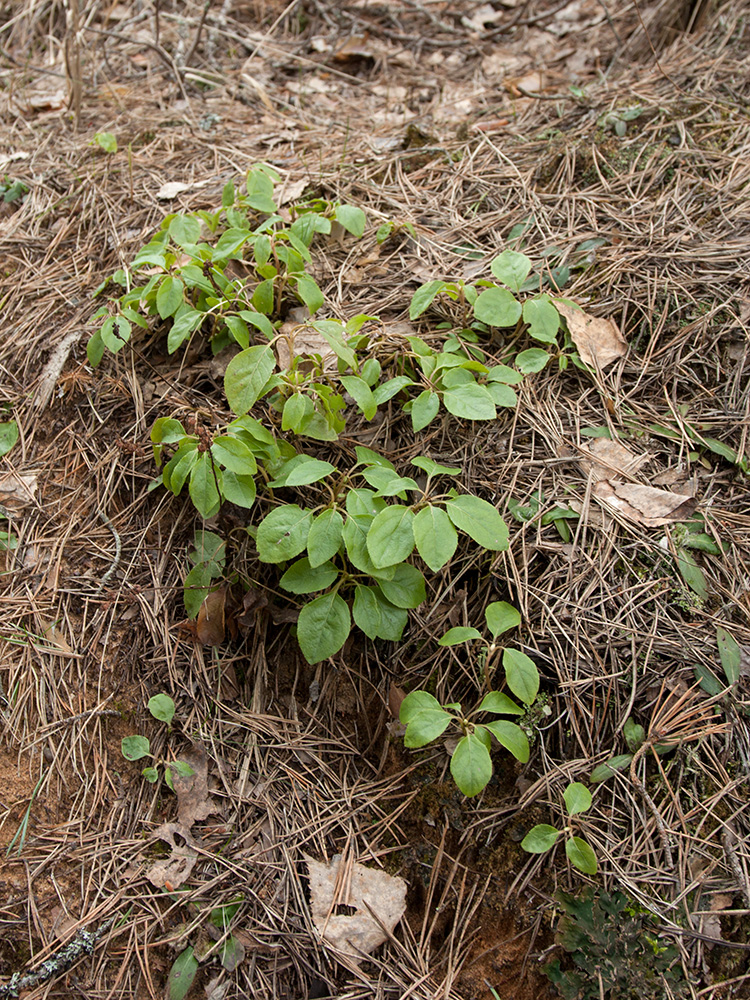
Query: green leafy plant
x=188 y=288
x=615 y=949
x=105 y=141
x=543 y=837
x=137 y=747
x=426 y=719
x=12 y=190
x=216 y=935
x=209 y=560
x=557 y=515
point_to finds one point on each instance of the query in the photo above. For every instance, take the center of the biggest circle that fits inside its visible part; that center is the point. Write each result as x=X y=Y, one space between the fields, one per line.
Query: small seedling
x=137 y=747
x=543 y=837
x=105 y=141
x=426 y=719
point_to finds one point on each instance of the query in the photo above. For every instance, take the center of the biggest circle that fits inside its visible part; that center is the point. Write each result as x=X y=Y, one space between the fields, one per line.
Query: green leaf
x=324 y=538
x=260 y=192
x=135 y=747
x=262 y=297
x=169 y=296
x=161 y=707
x=355 y=540
x=246 y=375
x=497 y=307
x=691 y=573
x=302 y=470
x=8 y=436
x=501 y=617
x=180 y=465
x=532 y=360
x=297 y=411
x=436 y=538
x=500 y=704
x=203 y=489
x=181 y=975
x=522 y=675
x=406 y=588
x=238 y=489
x=309 y=292
x=259 y=321
x=361 y=393
x=433 y=468
x=480 y=521
x=608 y=768
x=502 y=395
x=581 y=855
x=302 y=578
x=459 y=634
x=504 y=374
x=106 y=141
x=540 y=838
x=387 y=390
x=471 y=766
x=423 y=297
x=707 y=680
x=510 y=736
x=424 y=717
x=366 y=611
x=635 y=735
x=392 y=619
x=511 y=268
x=234 y=455
x=577 y=798
x=701 y=542
x=730 y=654
x=352 y=219
x=282 y=534
x=390 y=539
x=196 y=588
x=95 y=349
x=470 y=401
x=323 y=627
x=185 y=322
x=115 y=333
x=151 y=775
x=181 y=769
x=184 y=229
x=543 y=319
x=424 y=409
x=366 y=456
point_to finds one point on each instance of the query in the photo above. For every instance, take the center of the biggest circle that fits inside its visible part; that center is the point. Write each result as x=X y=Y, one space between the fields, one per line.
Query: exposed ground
x=465 y=122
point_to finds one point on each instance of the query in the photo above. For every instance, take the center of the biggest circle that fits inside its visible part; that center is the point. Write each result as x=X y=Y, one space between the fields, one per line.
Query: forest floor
x=610 y=144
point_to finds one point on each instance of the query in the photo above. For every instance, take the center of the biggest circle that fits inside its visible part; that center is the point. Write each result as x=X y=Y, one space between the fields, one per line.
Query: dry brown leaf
x=18 y=489
x=395 y=696
x=171 y=872
x=379 y=899
x=645 y=504
x=711 y=922
x=604 y=459
x=193 y=802
x=296 y=339
x=598 y=341
x=210 y=624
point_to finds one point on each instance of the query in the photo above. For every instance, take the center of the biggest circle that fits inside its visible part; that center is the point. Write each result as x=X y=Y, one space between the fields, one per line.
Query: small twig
x=118 y=552
x=198 y=30
x=82 y=944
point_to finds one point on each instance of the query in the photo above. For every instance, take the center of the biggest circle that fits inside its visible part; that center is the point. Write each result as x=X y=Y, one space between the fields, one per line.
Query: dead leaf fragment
x=603 y=459
x=193 y=802
x=598 y=341
x=18 y=489
x=210 y=624
x=645 y=504
x=173 y=871
x=378 y=898
x=299 y=339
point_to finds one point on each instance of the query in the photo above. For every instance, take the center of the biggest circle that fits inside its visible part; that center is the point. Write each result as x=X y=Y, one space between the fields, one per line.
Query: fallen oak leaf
x=645 y=505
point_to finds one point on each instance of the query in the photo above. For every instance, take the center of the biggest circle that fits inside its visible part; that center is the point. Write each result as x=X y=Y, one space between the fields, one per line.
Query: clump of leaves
x=543 y=837
x=616 y=952
x=426 y=719
x=12 y=190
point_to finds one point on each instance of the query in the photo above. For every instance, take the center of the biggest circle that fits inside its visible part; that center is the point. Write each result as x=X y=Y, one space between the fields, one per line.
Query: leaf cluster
x=543 y=837
x=133 y=748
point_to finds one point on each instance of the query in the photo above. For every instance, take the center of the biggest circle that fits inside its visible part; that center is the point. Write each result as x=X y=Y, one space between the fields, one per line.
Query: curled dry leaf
x=18 y=489
x=645 y=504
x=598 y=341
x=173 y=871
x=297 y=339
x=378 y=898
x=193 y=801
x=604 y=459
x=210 y=624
